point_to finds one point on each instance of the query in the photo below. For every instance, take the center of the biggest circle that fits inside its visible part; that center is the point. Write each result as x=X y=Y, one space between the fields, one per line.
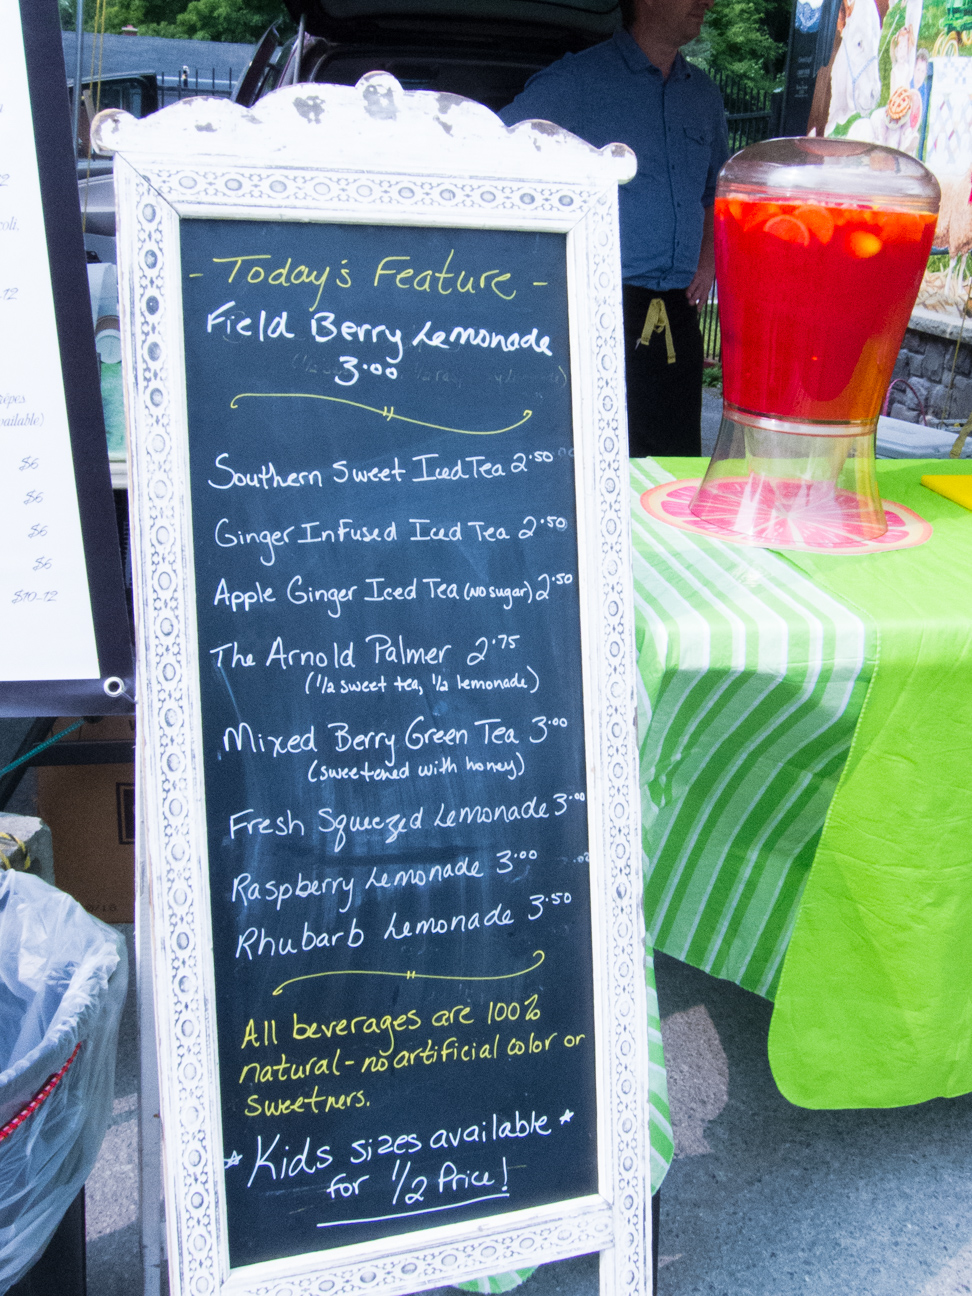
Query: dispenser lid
x=844 y=171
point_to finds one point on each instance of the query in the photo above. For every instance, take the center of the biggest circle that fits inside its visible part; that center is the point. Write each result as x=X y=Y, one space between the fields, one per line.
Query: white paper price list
x=46 y=626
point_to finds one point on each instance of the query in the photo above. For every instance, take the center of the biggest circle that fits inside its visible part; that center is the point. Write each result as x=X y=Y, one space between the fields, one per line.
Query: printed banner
x=901 y=74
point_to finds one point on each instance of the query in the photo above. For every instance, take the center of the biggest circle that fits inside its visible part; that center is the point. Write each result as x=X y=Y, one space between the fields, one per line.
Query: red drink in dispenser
x=820 y=249
x=814 y=302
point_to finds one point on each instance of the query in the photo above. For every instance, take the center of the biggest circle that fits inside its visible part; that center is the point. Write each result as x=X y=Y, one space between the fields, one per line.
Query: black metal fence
x=194 y=81
x=142 y=93
x=711 y=332
x=749 y=112
x=749 y=116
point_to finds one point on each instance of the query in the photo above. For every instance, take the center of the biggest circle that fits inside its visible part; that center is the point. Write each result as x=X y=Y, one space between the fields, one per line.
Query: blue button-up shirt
x=677 y=129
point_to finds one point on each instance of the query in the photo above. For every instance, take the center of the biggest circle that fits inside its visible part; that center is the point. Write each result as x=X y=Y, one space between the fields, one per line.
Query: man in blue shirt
x=637 y=88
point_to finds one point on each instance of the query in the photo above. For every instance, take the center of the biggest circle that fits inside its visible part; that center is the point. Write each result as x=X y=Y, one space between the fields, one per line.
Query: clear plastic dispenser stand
x=820 y=249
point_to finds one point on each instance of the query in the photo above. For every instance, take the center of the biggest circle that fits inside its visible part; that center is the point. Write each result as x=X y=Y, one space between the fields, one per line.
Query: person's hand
x=698 y=290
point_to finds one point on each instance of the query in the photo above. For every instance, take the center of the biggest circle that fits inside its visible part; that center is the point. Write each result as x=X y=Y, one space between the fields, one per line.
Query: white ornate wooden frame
x=375 y=154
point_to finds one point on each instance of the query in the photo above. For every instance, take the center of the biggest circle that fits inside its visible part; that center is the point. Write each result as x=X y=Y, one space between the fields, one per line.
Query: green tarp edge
x=874 y=1006
x=875 y=1002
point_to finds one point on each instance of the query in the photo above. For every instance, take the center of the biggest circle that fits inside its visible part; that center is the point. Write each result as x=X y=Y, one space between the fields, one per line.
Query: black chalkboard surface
x=385 y=552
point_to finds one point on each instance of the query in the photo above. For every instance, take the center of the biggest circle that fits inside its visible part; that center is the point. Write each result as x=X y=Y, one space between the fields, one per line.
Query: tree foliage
x=217 y=20
x=746 y=38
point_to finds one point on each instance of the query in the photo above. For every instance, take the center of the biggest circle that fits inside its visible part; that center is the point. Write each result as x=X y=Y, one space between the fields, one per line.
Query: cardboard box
x=90 y=810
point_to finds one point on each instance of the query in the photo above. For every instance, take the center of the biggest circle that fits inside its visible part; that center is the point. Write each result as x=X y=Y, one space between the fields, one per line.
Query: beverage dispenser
x=820 y=249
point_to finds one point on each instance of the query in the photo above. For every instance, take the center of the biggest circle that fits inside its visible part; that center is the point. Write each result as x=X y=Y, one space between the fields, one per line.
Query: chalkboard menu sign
x=390 y=758
x=386 y=590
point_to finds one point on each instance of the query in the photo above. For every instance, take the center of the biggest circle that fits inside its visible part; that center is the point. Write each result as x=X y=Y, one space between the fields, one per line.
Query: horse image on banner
x=900 y=74
x=855 y=81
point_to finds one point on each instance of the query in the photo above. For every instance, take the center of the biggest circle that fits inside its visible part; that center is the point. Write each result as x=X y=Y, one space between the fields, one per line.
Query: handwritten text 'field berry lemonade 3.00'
x=820 y=249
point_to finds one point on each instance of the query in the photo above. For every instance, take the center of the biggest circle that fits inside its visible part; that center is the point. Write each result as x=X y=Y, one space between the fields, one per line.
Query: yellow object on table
x=954 y=486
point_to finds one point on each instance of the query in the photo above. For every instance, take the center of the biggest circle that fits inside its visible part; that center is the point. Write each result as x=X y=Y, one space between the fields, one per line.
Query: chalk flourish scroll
x=387 y=412
x=414 y=976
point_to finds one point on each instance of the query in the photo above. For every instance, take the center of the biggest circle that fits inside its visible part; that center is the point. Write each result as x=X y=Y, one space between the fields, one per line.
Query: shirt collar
x=638 y=61
x=681 y=68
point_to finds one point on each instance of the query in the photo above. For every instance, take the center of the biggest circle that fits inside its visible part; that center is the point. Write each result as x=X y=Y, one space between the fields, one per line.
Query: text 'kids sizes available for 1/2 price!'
x=384 y=529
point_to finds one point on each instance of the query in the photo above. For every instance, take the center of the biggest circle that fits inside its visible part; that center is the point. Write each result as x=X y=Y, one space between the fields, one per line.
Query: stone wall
x=925 y=361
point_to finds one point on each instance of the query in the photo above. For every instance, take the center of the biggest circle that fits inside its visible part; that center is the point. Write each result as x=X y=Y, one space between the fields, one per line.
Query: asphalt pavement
x=767 y=1199
x=711 y=417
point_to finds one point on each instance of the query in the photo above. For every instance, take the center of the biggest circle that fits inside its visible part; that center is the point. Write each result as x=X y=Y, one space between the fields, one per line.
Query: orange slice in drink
x=789 y=229
x=905 y=227
x=818 y=221
x=863 y=244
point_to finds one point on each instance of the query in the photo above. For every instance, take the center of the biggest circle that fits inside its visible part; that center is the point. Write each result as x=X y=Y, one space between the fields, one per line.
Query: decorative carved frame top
x=376 y=154
x=373 y=126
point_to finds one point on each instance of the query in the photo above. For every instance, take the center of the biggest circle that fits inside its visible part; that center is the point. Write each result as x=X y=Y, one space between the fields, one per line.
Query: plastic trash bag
x=63 y=977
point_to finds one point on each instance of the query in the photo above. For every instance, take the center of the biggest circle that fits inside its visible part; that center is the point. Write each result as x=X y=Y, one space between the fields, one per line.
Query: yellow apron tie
x=957 y=448
x=656 y=321
x=6 y=860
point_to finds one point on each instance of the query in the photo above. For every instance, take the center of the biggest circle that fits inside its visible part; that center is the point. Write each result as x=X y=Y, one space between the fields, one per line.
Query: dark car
x=482 y=49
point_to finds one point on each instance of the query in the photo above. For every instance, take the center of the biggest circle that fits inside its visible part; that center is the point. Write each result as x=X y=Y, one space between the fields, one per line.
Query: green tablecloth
x=806 y=769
